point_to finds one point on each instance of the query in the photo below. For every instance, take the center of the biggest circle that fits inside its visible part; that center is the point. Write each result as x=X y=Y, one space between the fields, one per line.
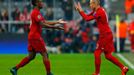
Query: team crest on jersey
x=39 y=16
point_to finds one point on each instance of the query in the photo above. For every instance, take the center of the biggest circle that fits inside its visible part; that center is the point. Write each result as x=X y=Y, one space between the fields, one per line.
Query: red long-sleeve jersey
x=101 y=18
x=35 y=27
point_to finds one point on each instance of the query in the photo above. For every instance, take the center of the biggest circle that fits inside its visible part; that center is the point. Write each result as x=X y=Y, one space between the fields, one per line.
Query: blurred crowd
x=126 y=27
x=125 y=33
x=79 y=36
x=129 y=7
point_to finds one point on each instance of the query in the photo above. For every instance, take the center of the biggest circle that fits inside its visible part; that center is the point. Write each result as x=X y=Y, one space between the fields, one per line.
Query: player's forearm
x=54 y=27
x=52 y=22
x=86 y=17
x=45 y=25
x=91 y=13
x=50 y=26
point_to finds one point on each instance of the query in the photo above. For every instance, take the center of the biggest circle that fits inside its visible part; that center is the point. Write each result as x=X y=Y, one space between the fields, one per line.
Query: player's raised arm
x=60 y=21
x=80 y=10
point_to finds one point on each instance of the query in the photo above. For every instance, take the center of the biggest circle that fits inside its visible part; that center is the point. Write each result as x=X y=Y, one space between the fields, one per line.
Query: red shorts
x=37 y=45
x=105 y=43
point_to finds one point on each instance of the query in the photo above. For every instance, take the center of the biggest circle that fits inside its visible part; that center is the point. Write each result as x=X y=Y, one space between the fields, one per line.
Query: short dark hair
x=33 y=2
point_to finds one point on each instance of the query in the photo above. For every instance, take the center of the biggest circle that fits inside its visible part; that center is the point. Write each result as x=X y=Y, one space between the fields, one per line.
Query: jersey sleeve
x=38 y=17
x=87 y=17
x=91 y=13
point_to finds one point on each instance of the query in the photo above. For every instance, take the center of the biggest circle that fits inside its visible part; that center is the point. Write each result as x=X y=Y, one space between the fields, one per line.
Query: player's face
x=92 y=5
x=40 y=4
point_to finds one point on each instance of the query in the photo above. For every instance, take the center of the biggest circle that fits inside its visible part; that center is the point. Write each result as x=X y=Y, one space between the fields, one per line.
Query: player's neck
x=97 y=7
x=37 y=7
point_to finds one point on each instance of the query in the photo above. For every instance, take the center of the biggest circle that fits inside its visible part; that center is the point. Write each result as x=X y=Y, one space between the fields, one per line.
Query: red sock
x=23 y=62
x=114 y=60
x=97 y=54
x=47 y=65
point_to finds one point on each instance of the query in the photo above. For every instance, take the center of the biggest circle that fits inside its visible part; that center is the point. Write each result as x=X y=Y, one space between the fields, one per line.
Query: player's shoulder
x=101 y=9
x=34 y=11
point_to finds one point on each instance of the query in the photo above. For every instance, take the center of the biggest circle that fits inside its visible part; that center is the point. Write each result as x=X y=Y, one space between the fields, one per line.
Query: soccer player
x=105 y=42
x=35 y=41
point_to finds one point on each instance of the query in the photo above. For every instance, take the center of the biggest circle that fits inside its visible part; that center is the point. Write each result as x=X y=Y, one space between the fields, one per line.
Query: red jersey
x=35 y=27
x=101 y=18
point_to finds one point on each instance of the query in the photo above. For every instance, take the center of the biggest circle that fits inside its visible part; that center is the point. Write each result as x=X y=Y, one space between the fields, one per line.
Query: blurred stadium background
x=79 y=36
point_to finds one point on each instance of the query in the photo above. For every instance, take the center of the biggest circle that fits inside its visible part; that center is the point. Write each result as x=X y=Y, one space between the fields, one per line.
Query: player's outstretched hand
x=78 y=6
x=61 y=21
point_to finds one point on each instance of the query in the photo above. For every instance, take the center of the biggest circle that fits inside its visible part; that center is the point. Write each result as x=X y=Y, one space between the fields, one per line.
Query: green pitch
x=62 y=64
